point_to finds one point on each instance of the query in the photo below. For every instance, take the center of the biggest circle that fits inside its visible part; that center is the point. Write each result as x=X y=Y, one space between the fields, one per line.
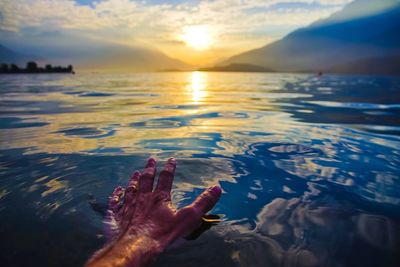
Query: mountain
x=237 y=68
x=96 y=56
x=389 y=65
x=9 y=56
x=363 y=31
x=120 y=58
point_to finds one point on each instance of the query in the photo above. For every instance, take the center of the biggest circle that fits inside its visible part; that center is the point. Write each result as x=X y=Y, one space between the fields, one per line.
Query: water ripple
x=309 y=166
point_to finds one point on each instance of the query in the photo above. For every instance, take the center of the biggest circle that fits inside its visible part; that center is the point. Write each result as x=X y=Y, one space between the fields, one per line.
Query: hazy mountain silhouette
x=98 y=57
x=9 y=56
x=237 y=68
x=363 y=34
x=378 y=65
x=118 y=57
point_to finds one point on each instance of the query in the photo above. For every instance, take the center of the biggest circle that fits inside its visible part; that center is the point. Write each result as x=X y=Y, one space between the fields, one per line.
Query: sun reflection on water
x=63 y=137
x=197 y=86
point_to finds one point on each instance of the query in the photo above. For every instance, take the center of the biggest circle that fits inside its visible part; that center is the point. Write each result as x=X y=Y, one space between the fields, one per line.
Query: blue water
x=309 y=166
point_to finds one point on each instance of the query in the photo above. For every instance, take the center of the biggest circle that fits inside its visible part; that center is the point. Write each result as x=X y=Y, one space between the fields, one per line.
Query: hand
x=142 y=222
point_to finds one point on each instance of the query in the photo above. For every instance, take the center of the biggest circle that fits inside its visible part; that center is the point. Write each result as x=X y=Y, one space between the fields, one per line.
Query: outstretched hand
x=142 y=222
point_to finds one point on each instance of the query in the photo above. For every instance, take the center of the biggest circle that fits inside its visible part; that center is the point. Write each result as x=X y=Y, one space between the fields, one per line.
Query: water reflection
x=319 y=229
x=197 y=86
x=309 y=165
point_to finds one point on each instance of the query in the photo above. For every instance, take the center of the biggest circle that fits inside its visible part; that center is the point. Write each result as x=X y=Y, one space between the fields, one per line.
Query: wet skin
x=142 y=222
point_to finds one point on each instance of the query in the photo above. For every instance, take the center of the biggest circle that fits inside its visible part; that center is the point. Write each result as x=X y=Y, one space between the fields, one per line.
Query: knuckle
x=207 y=198
x=170 y=166
x=147 y=175
x=117 y=190
x=205 y=202
x=135 y=175
x=114 y=200
x=190 y=212
x=132 y=182
x=167 y=172
x=161 y=196
x=131 y=189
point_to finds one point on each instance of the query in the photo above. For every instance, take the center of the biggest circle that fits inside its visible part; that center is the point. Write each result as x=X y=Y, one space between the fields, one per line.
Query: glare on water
x=309 y=166
x=197 y=86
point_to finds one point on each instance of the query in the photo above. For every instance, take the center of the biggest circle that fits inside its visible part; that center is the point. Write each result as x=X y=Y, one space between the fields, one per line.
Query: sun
x=198 y=37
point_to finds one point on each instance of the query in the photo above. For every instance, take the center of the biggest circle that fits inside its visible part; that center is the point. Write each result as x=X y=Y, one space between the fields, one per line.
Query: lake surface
x=309 y=166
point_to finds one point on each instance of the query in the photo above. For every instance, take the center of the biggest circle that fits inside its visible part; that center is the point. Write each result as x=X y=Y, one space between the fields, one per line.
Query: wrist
x=129 y=250
x=153 y=235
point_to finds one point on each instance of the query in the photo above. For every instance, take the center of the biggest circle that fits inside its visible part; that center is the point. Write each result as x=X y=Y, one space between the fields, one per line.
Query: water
x=310 y=166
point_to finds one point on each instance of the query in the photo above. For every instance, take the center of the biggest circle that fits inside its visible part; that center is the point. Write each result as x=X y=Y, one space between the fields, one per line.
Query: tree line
x=32 y=67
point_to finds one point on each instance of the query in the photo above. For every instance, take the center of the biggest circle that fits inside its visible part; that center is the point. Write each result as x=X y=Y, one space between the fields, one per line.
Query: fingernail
x=172 y=160
x=151 y=162
x=215 y=190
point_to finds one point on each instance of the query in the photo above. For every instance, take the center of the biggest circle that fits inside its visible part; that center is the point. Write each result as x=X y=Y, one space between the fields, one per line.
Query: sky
x=196 y=32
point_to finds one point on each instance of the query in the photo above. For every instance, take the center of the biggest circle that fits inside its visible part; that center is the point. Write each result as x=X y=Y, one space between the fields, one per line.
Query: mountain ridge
x=324 y=45
x=237 y=68
x=102 y=57
x=9 y=56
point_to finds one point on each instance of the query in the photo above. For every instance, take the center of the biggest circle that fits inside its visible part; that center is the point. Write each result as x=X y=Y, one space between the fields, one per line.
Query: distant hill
x=100 y=57
x=237 y=68
x=364 y=31
x=118 y=57
x=9 y=56
x=389 y=65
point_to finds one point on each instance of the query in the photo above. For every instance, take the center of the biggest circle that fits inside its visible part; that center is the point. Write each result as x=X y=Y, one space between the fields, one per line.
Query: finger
x=130 y=197
x=132 y=187
x=116 y=199
x=207 y=200
x=166 y=176
x=147 y=178
x=134 y=180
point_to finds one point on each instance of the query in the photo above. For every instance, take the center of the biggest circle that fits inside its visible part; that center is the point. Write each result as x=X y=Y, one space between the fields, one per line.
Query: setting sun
x=198 y=37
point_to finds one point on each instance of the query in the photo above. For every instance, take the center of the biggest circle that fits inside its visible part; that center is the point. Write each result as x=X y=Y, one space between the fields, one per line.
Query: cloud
x=247 y=22
x=66 y=14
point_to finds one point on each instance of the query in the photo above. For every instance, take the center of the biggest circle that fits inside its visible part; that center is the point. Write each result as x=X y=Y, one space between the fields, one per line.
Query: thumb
x=207 y=200
x=190 y=216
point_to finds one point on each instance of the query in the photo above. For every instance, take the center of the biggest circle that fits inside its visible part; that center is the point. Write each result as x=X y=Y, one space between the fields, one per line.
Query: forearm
x=130 y=251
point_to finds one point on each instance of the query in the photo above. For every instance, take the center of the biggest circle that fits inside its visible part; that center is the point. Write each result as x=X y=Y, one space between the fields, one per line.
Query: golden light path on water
x=131 y=112
x=125 y=110
x=198 y=86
